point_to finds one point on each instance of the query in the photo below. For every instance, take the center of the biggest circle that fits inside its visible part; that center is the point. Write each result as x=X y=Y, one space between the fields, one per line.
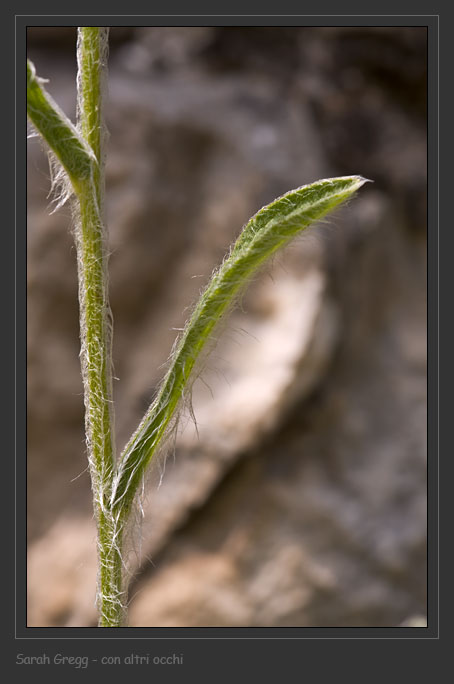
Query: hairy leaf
x=267 y=231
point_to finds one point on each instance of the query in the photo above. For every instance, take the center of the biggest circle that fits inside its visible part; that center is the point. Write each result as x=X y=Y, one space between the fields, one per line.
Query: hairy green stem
x=80 y=151
x=95 y=321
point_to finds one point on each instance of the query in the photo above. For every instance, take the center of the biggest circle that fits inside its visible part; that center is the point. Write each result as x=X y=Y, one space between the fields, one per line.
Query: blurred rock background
x=302 y=499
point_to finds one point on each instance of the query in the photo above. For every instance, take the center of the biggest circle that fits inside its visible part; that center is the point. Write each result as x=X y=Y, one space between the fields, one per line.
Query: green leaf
x=270 y=229
x=64 y=140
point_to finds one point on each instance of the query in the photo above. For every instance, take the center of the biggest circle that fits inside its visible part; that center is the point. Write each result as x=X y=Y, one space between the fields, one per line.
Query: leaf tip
x=362 y=180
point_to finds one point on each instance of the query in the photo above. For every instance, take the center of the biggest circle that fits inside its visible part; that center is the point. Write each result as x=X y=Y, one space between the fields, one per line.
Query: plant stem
x=80 y=151
x=95 y=319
